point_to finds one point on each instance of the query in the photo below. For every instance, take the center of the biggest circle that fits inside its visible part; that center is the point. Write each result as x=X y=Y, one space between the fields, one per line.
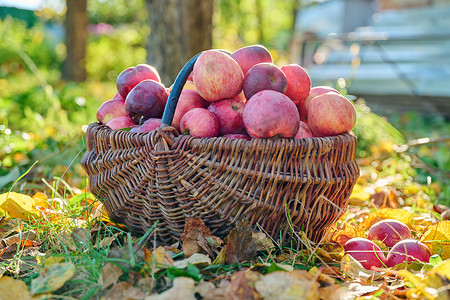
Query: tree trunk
x=76 y=36
x=179 y=29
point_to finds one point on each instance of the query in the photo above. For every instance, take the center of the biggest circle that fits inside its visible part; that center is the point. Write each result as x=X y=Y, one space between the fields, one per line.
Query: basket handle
x=180 y=81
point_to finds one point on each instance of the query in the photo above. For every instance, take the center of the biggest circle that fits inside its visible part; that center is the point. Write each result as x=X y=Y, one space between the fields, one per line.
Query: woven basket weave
x=166 y=177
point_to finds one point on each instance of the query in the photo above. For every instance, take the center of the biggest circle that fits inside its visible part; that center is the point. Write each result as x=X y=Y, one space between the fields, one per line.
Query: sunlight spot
x=26 y=136
x=81 y=101
x=84 y=128
x=2 y=127
x=7 y=131
x=341 y=82
x=428 y=180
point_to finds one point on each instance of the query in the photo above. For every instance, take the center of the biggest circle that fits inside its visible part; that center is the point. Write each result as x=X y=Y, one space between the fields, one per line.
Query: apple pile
x=243 y=95
x=396 y=236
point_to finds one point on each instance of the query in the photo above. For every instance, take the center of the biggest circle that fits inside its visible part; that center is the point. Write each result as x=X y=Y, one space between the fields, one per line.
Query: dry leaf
x=156 y=260
x=195 y=259
x=24 y=240
x=19 y=206
x=353 y=290
x=240 y=245
x=81 y=236
x=355 y=270
x=110 y=274
x=52 y=278
x=8 y=226
x=11 y=288
x=183 y=289
x=348 y=231
x=242 y=285
x=197 y=238
x=281 y=285
x=124 y=290
x=439 y=233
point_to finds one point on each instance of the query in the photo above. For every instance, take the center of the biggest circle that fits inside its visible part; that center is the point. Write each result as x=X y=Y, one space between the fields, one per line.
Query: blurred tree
x=179 y=29
x=76 y=37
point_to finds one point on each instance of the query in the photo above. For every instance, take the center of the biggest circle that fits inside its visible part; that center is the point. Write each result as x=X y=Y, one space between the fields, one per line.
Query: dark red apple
x=366 y=252
x=130 y=77
x=269 y=114
x=217 y=76
x=199 y=122
x=303 y=131
x=188 y=100
x=389 y=231
x=120 y=123
x=331 y=114
x=299 y=83
x=249 y=56
x=110 y=109
x=303 y=107
x=238 y=136
x=264 y=76
x=408 y=250
x=146 y=100
x=229 y=115
x=149 y=125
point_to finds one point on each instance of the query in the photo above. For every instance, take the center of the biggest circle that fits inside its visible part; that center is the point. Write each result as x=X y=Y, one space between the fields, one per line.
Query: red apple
x=149 y=125
x=229 y=115
x=389 y=231
x=249 y=56
x=303 y=107
x=217 y=76
x=269 y=114
x=110 y=109
x=331 y=114
x=199 y=122
x=264 y=76
x=146 y=100
x=366 y=252
x=299 y=83
x=303 y=131
x=130 y=77
x=120 y=123
x=408 y=250
x=238 y=136
x=188 y=100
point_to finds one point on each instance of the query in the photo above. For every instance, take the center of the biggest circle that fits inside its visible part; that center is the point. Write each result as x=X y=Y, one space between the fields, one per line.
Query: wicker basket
x=166 y=177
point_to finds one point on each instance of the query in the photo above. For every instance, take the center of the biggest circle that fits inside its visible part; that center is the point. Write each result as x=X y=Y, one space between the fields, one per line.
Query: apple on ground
x=299 y=83
x=331 y=114
x=271 y=114
x=130 y=77
x=264 y=76
x=303 y=107
x=188 y=100
x=408 y=250
x=236 y=136
x=366 y=252
x=149 y=125
x=199 y=122
x=249 y=56
x=217 y=76
x=146 y=100
x=110 y=109
x=229 y=115
x=303 y=131
x=389 y=231
x=120 y=123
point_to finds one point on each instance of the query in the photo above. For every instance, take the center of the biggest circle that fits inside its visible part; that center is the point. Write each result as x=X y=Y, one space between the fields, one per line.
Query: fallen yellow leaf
x=438 y=236
x=18 y=206
x=398 y=214
x=11 y=288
